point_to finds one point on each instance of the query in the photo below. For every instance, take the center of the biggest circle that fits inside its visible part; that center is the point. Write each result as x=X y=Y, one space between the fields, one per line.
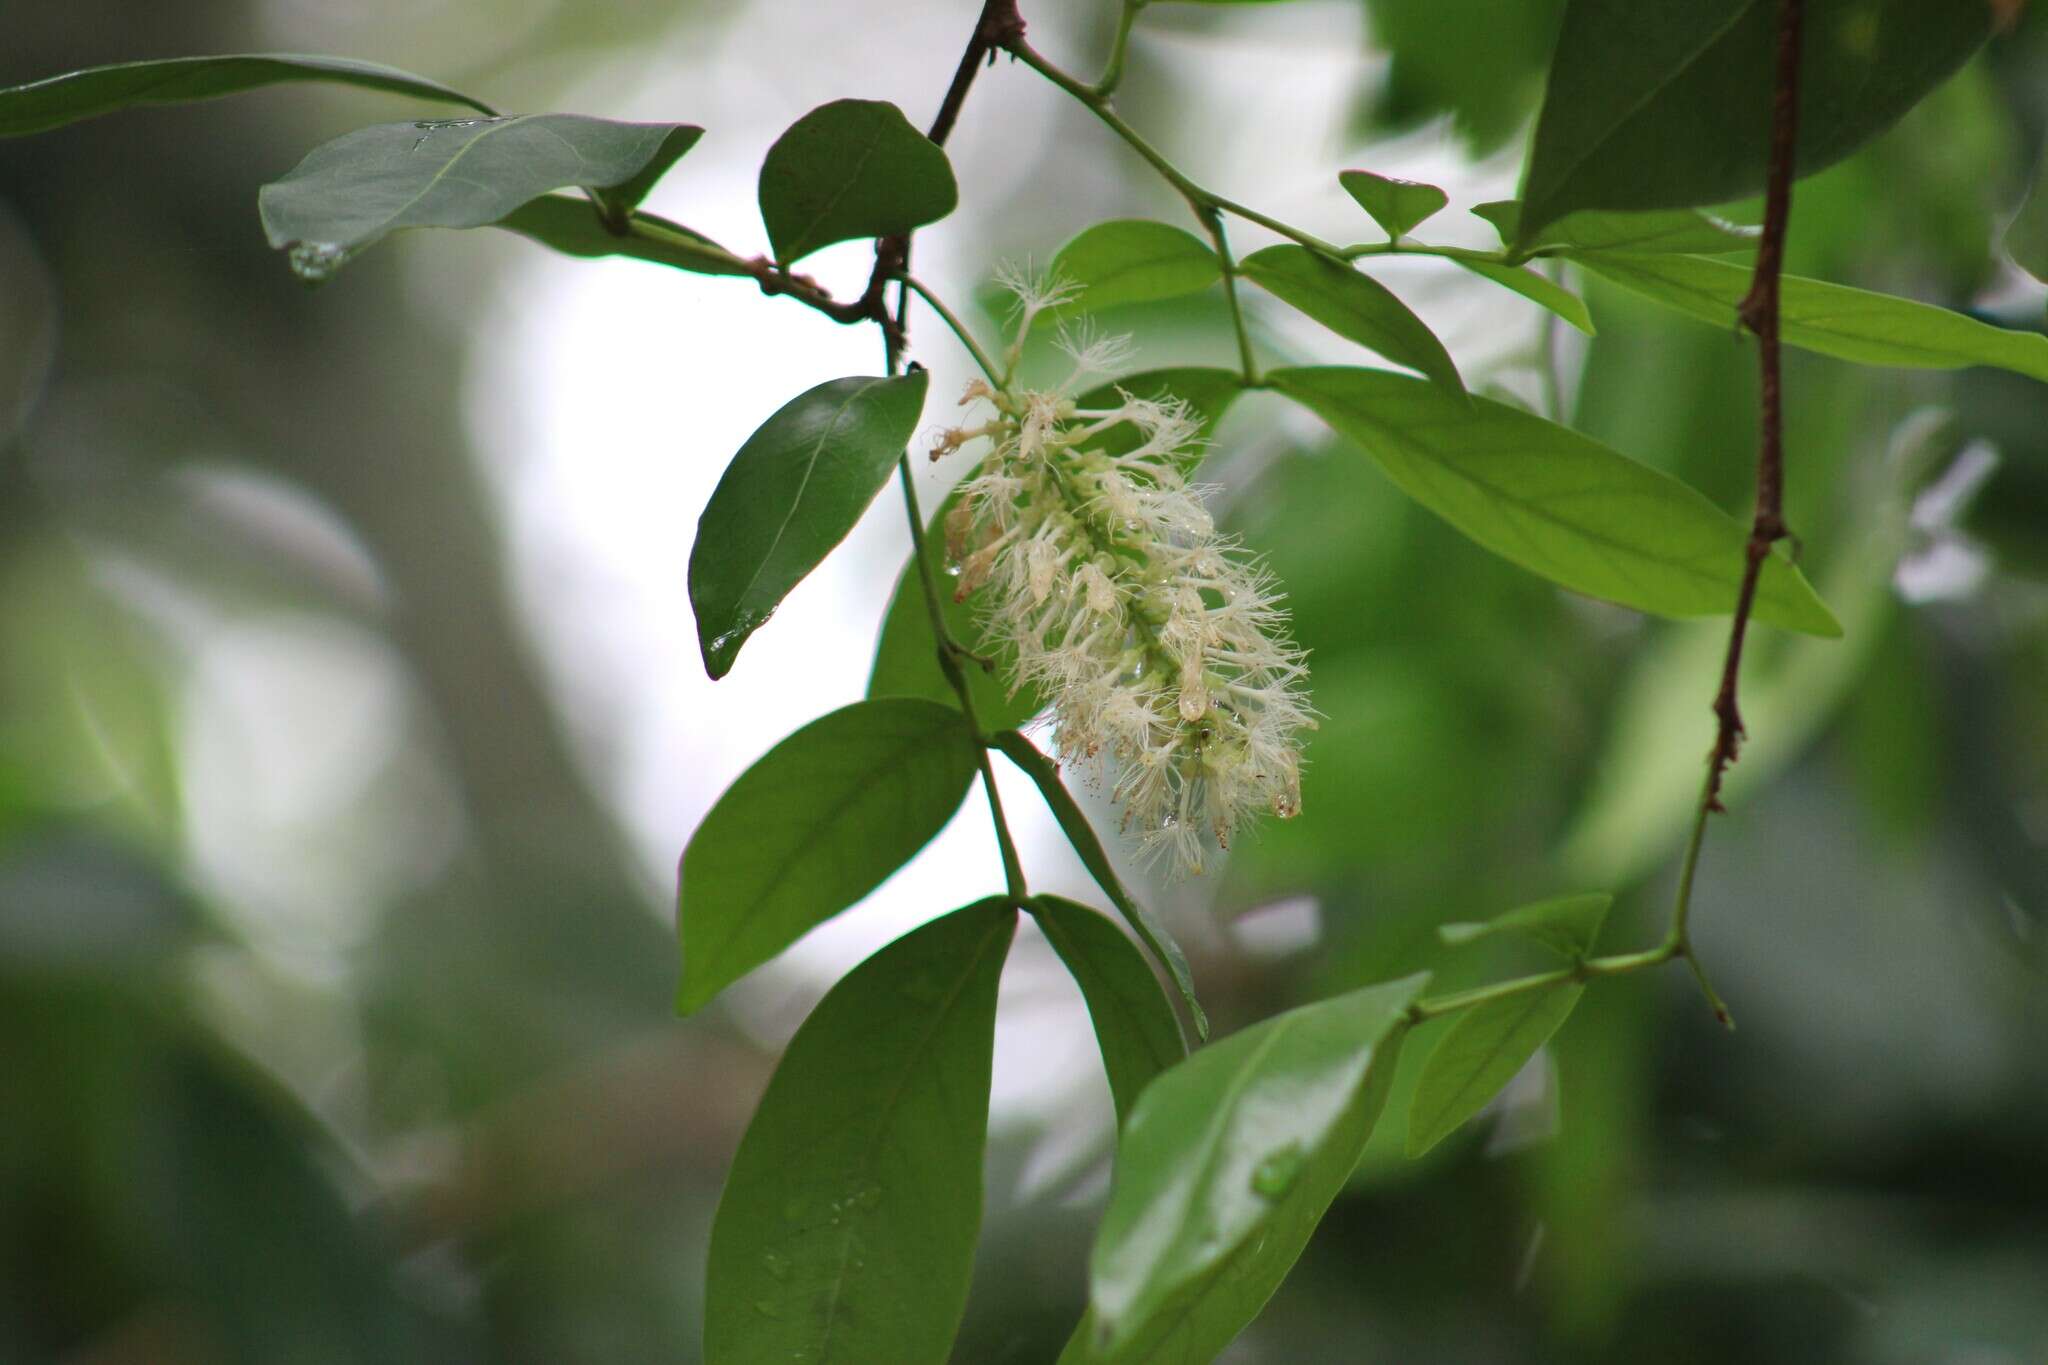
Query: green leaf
x=2026 y=237
x=1224 y=1170
x=1658 y=231
x=1132 y=260
x=1567 y=925
x=1553 y=501
x=906 y=661
x=1081 y=835
x=1668 y=104
x=848 y=169
x=1833 y=319
x=350 y=193
x=1398 y=206
x=1534 y=287
x=1480 y=1053
x=1134 y=1021
x=846 y=1232
x=572 y=227
x=821 y=820
x=792 y=493
x=1354 y=306
x=42 y=105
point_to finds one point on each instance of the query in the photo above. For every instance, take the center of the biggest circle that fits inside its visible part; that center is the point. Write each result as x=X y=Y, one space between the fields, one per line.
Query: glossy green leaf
x=1398 y=206
x=1134 y=1021
x=1133 y=260
x=1833 y=319
x=846 y=1232
x=850 y=169
x=1567 y=925
x=1536 y=288
x=1354 y=306
x=1668 y=104
x=51 y=103
x=905 y=658
x=821 y=820
x=1224 y=1171
x=2026 y=237
x=1081 y=835
x=1657 y=231
x=448 y=173
x=572 y=227
x=795 y=489
x=1480 y=1053
x=1553 y=501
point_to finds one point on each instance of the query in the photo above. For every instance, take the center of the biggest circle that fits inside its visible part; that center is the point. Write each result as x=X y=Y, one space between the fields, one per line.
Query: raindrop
x=316 y=262
x=768 y=1308
x=1276 y=1175
x=776 y=1264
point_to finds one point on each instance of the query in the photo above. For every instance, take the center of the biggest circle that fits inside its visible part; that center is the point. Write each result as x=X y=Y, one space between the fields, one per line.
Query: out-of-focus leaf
x=821 y=820
x=1480 y=1053
x=1074 y=824
x=2026 y=237
x=350 y=193
x=1667 y=103
x=1354 y=306
x=1224 y=1170
x=1833 y=319
x=1134 y=1021
x=792 y=492
x=846 y=1232
x=1567 y=925
x=1652 y=232
x=51 y=103
x=1398 y=206
x=1534 y=287
x=1558 y=503
x=1134 y=260
x=572 y=227
x=848 y=169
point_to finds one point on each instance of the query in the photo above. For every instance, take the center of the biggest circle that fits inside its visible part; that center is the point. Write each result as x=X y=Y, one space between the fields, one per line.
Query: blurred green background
x=350 y=724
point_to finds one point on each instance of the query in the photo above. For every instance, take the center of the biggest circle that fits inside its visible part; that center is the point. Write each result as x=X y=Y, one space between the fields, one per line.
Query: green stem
x=959 y=329
x=1113 y=72
x=1249 y=367
x=949 y=664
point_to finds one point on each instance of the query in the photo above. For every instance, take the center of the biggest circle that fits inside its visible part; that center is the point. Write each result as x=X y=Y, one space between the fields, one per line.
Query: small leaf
x=795 y=489
x=1134 y=1021
x=1398 y=206
x=1656 y=232
x=846 y=1232
x=1669 y=105
x=1480 y=1053
x=1074 y=825
x=849 y=169
x=1534 y=287
x=573 y=228
x=350 y=193
x=2026 y=237
x=1567 y=925
x=1132 y=260
x=1225 y=1169
x=42 y=105
x=1354 y=306
x=1833 y=319
x=821 y=820
x=1558 y=503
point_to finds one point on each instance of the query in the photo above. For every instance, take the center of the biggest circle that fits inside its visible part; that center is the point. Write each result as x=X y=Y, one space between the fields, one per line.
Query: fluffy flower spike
x=1161 y=644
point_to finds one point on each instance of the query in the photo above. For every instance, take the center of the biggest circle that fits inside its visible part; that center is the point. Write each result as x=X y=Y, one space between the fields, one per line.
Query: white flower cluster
x=1160 y=646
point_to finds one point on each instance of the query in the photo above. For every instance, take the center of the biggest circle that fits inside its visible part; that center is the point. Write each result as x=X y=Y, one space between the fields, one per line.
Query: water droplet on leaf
x=1276 y=1175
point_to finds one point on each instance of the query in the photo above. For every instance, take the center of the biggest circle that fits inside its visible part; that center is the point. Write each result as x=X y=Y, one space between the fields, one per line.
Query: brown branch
x=1758 y=312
